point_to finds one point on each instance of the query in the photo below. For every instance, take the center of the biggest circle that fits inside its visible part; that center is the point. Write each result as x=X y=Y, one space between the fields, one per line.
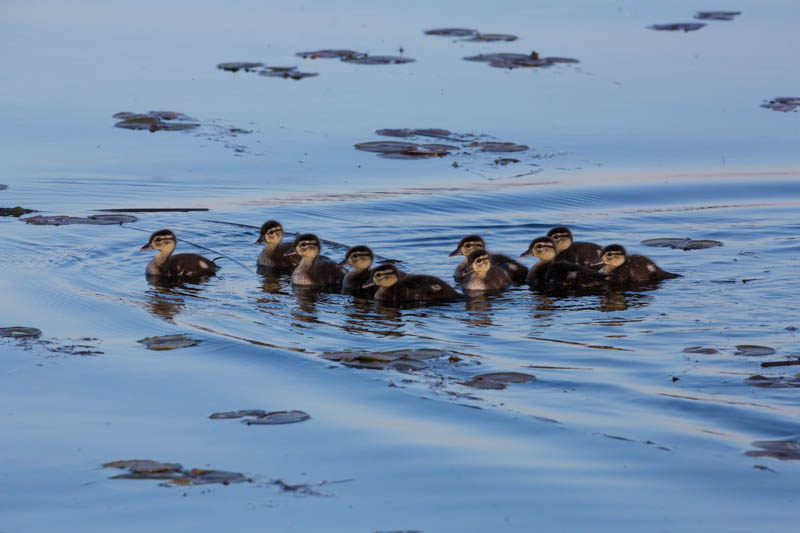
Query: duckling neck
x=161 y=257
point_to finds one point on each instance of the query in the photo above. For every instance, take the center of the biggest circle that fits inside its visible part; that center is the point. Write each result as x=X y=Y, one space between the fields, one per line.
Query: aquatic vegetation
x=63 y=220
x=682 y=244
x=378 y=60
x=515 y=60
x=14 y=211
x=750 y=350
x=237 y=66
x=452 y=32
x=498 y=147
x=329 y=54
x=717 y=15
x=169 y=342
x=173 y=473
x=471 y=35
x=154 y=121
x=286 y=72
x=778 y=382
x=784 y=450
x=678 y=26
x=406 y=150
x=700 y=350
x=19 y=332
x=259 y=417
x=783 y=104
x=403 y=360
x=498 y=380
x=491 y=38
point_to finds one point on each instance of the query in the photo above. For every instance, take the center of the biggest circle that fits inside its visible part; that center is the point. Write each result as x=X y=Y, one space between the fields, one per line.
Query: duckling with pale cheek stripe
x=516 y=270
x=581 y=253
x=166 y=265
x=314 y=271
x=482 y=275
x=360 y=258
x=550 y=274
x=273 y=256
x=624 y=268
x=394 y=289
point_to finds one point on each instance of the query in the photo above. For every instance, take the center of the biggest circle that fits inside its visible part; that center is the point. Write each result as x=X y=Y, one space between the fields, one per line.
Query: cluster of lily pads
x=694 y=26
x=412 y=150
x=783 y=103
x=359 y=58
x=267 y=71
x=471 y=35
x=155 y=121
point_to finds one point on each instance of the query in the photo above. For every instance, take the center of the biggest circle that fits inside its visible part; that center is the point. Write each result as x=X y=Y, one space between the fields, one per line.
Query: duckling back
x=581 y=253
x=640 y=269
x=516 y=271
x=184 y=265
x=560 y=275
x=417 y=288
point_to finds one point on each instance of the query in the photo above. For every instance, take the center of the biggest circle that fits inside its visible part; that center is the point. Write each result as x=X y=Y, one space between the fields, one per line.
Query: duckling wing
x=516 y=270
x=190 y=265
x=331 y=274
x=498 y=278
x=643 y=269
x=417 y=288
x=581 y=253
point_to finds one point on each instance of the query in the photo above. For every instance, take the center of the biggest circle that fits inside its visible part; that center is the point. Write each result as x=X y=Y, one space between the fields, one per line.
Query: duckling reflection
x=167 y=297
x=364 y=318
x=479 y=310
x=314 y=271
x=411 y=288
x=628 y=269
x=274 y=255
x=165 y=265
x=516 y=270
x=482 y=274
x=580 y=253
x=551 y=275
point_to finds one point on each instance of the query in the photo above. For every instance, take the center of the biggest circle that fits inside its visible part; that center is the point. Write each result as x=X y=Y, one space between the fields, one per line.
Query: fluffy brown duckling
x=395 y=289
x=360 y=258
x=516 y=270
x=581 y=253
x=483 y=275
x=552 y=274
x=273 y=256
x=624 y=268
x=166 y=265
x=314 y=271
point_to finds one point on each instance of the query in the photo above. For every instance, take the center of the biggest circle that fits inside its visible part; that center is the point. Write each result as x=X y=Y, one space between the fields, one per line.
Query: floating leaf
x=452 y=32
x=386 y=146
x=682 y=243
x=235 y=67
x=378 y=60
x=421 y=152
x=717 y=15
x=14 y=211
x=784 y=450
x=329 y=54
x=114 y=219
x=750 y=350
x=498 y=380
x=492 y=37
x=168 y=342
x=155 y=121
x=677 y=26
x=19 y=332
x=429 y=132
x=144 y=466
x=237 y=414
x=490 y=146
x=63 y=220
x=173 y=473
x=278 y=417
x=286 y=72
x=780 y=382
x=3 y=187
x=783 y=103
x=502 y=57
x=700 y=349
x=503 y=161
x=395 y=359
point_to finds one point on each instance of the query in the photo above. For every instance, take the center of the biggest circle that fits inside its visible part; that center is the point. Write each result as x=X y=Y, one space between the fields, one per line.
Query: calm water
x=653 y=134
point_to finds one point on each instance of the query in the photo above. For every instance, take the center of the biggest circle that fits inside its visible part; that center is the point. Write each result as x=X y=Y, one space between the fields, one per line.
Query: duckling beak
x=455 y=252
x=526 y=253
x=293 y=252
x=467 y=271
x=368 y=284
x=260 y=240
x=596 y=263
x=147 y=246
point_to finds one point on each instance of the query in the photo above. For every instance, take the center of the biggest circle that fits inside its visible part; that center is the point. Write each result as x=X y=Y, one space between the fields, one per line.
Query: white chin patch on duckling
x=203 y=265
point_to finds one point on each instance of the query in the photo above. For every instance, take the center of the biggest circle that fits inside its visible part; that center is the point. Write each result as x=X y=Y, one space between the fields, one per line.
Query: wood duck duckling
x=482 y=275
x=552 y=274
x=166 y=265
x=624 y=268
x=273 y=256
x=395 y=289
x=516 y=270
x=314 y=271
x=360 y=258
x=581 y=253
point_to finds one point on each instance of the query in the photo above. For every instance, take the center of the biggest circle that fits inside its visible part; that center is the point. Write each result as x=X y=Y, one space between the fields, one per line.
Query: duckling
x=166 y=265
x=482 y=275
x=552 y=274
x=516 y=270
x=394 y=289
x=273 y=255
x=314 y=271
x=360 y=258
x=581 y=253
x=624 y=268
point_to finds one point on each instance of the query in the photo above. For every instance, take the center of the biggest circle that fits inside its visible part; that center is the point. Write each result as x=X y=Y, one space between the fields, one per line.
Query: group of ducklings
x=563 y=264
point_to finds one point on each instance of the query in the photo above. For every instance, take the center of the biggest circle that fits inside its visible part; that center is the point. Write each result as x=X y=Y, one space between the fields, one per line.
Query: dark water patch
x=784 y=450
x=260 y=417
x=154 y=121
x=3 y=187
x=700 y=350
x=403 y=360
x=498 y=147
x=452 y=32
x=774 y=382
x=156 y=210
x=329 y=54
x=286 y=72
x=237 y=66
x=770 y=364
x=20 y=332
x=378 y=60
x=64 y=220
x=717 y=15
x=169 y=342
x=30 y=339
x=491 y=38
x=678 y=26
x=14 y=211
x=783 y=103
x=751 y=350
x=498 y=380
x=682 y=244
x=173 y=473
x=503 y=161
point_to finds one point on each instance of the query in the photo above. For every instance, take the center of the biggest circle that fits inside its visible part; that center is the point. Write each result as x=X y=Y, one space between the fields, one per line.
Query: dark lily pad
x=237 y=414
x=498 y=380
x=114 y=219
x=144 y=466
x=237 y=66
x=395 y=359
x=452 y=32
x=156 y=209
x=779 y=382
x=285 y=72
x=155 y=121
x=386 y=146
x=168 y=342
x=63 y=220
x=677 y=26
x=700 y=349
x=406 y=132
x=203 y=476
x=498 y=147
x=329 y=54
x=378 y=60
x=682 y=244
x=519 y=63
x=3 y=187
x=163 y=115
x=14 y=211
x=503 y=161
x=502 y=57
x=278 y=417
x=785 y=450
x=20 y=332
x=492 y=37
x=173 y=473
x=553 y=60
x=717 y=15
x=750 y=350
x=421 y=152
x=783 y=103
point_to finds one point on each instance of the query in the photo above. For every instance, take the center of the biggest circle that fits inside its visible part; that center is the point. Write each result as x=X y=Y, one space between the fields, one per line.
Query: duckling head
x=358 y=257
x=383 y=275
x=562 y=236
x=306 y=246
x=467 y=245
x=543 y=248
x=613 y=256
x=271 y=233
x=479 y=261
x=164 y=241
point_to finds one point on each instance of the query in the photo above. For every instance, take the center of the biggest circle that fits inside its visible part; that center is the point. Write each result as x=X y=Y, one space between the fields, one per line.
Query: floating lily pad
x=503 y=161
x=498 y=380
x=237 y=414
x=779 y=382
x=677 y=26
x=717 y=15
x=173 y=473
x=386 y=146
x=156 y=209
x=168 y=342
x=492 y=37
x=14 y=211
x=452 y=32
x=785 y=450
x=144 y=466
x=235 y=67
x=405 y=132
x=329 y=54
x=783 y=103
x=278 y=417
x=286 y=72
x=682 y=243
x=502 y=57
x=63 y=220
x=155 y=121
x=114 y=219
x=750 y=350
x=554 y=60
x=498 y=147
x=700 y=349
x=395 y=359
x=3 y=187
x=378 y=60
x=421 y=152
x=20 y=332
